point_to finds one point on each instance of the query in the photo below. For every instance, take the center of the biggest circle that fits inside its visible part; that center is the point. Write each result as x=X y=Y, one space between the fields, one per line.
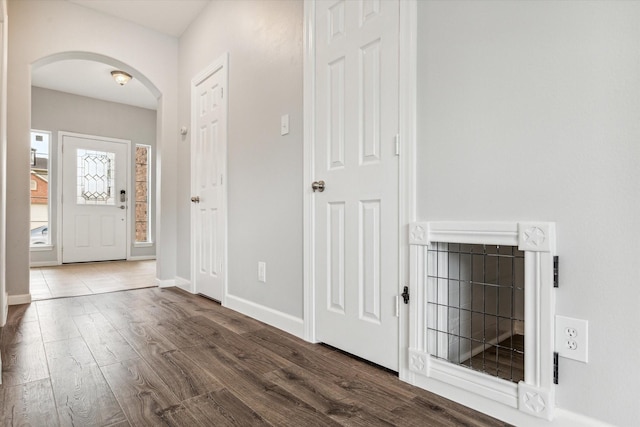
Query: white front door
x=94 y=198
x=208 y=153
x=356 y=216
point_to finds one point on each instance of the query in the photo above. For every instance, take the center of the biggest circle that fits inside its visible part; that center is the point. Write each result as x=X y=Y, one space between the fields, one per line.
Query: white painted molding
x=407 y=113
x=141 y=258
x=286 y=322
x=19 y=299
x=165 y=283
x=533 y=397
x=44 y=264
x=562 y=418
x=308 y=308
x=184 y=284
x=4 y=311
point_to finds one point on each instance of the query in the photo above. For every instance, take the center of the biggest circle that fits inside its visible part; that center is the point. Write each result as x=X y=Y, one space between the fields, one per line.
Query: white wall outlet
x=284 y=124
x=572 y=338
x=262 y=272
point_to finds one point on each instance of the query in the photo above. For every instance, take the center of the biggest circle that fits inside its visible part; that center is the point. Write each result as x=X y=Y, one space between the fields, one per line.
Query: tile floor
x=91 y=278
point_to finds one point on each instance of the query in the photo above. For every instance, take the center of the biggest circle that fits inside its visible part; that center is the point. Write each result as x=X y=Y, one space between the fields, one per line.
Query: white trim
x=141 y=257
x=19 y=299
x=538 y=241
x=41 y=248
x=308 y=308
x=220 y=64
x=184 y=284
x=143 y=244
x=3 y=320
x=60 y=187
x=43 y=264
x=286 y=322
x=407 y=191
x=165 y=283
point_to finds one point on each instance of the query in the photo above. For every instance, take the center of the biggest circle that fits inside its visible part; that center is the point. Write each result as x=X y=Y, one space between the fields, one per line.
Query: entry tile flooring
x=91 y=278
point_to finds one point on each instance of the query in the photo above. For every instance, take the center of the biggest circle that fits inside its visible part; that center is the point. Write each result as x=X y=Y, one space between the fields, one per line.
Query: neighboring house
x=526 y=110
x=39 y=193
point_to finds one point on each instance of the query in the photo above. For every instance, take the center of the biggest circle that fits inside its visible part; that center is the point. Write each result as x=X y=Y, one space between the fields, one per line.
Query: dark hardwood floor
x=152 y=357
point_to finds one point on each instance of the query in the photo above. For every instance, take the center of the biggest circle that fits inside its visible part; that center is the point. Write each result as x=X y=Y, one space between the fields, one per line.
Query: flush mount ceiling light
x=121 y=77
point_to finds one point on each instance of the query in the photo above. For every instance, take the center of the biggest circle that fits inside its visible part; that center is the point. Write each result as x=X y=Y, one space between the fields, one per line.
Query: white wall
x=58 y=111
x=40 y=28
x=264 y=41
x=529 y=110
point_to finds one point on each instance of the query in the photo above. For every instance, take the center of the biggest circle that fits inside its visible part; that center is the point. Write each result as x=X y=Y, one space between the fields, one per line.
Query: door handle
x=317 y=186
x=123 y=207
x=195 y=199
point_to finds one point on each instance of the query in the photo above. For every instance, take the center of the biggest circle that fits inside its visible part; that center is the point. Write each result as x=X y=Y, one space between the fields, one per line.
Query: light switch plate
x=284 y=124
x=262 y=272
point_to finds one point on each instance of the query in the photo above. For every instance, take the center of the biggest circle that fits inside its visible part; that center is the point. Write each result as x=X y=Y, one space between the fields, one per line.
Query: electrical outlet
x=262 y=272
x=572 y=338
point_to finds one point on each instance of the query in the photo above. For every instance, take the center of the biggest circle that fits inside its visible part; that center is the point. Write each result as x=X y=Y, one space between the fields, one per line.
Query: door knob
x=195 y=199
x=317 y=186
x=123 y=207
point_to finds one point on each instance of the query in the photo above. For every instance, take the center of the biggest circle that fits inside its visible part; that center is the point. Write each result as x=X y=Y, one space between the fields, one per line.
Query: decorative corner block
x=419 y=233
x=419 y=362
x=536 y=236
x=535 y=401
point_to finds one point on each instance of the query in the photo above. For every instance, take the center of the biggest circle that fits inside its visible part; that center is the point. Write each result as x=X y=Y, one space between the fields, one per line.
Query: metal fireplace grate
x=475 y=307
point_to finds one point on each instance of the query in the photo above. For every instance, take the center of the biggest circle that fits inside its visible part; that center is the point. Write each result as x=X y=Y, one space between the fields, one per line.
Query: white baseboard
x=4 y=311
x=19 y=299
x=165 y=283
x=562 y=417
x=572 y=419
x=286 y=322
x=184 y=284
x=141 y=257
x=44 y=264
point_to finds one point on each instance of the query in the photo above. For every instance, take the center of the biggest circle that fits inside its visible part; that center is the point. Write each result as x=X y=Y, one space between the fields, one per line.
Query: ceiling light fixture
x=121 y=77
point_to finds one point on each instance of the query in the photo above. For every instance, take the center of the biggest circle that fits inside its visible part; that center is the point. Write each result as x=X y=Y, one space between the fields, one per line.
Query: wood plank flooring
x=152 y=357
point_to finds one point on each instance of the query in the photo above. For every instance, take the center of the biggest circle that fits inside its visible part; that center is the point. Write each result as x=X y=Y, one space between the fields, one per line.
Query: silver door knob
x=317 y=186
x=195 y=199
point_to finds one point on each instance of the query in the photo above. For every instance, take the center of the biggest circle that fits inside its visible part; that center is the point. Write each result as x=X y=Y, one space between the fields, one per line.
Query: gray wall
x=264 y=41
x=528 y=110
x=58 y=111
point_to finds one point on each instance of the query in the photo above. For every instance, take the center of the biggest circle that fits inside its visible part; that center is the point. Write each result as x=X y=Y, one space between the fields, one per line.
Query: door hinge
x=221 y=92
x=397 y=143
x=555 y=272
x=555 y=367
x=405 y=294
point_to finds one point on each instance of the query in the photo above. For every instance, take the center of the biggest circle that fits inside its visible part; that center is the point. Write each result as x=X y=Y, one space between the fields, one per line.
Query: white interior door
x=208 y=151
x=94 y=198
x=356 y=228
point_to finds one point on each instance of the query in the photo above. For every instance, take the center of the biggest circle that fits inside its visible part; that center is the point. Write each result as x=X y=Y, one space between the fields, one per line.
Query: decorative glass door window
x=143 y=186
x=96 y=171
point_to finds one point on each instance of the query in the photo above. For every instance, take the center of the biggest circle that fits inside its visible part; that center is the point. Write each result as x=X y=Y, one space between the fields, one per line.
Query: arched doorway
x=75 y=98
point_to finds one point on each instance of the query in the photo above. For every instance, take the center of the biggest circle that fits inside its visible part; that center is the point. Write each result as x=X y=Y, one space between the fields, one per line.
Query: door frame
x=407 y=167
x=221 y=64
x=60 y=188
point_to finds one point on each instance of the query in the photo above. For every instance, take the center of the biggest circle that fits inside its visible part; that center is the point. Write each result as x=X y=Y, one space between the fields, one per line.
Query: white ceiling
x=170 y=17
x=93 y=79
